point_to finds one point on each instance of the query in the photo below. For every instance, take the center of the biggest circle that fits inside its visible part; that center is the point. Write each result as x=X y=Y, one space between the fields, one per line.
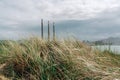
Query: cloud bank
x=22 y=17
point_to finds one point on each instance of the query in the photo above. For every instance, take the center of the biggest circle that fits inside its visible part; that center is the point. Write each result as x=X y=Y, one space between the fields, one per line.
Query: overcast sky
x=84 y=19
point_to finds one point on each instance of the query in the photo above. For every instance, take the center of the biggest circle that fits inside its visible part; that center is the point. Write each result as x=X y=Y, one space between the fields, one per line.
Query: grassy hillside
x=36 y=59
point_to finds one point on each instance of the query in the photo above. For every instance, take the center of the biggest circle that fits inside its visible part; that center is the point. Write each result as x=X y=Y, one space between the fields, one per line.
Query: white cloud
x=22 y=10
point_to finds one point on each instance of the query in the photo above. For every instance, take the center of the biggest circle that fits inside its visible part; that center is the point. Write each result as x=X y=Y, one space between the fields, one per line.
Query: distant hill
x=111 y=40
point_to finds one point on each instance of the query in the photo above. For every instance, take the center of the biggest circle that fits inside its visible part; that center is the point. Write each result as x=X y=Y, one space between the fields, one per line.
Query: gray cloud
x=107 y=24
x=82 y=18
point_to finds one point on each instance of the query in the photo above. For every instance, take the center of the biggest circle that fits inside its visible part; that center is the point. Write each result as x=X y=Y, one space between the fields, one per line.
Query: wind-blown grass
x=36 y=59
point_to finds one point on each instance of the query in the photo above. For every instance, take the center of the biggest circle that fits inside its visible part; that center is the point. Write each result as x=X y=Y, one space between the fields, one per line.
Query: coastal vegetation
x=38 y=59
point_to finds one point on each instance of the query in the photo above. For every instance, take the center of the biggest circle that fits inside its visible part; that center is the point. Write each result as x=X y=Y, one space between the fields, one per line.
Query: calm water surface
x=114 y=48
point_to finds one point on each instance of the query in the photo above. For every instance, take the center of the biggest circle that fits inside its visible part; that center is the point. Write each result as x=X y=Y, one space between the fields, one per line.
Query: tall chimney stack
x=53 y=31
x=42 y=28
x=48 y=31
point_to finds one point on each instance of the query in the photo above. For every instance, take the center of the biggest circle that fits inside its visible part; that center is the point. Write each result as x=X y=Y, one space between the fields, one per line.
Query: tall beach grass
x=37 y=59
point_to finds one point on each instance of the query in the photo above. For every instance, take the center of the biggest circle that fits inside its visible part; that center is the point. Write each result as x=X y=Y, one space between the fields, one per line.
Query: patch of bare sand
x=3 y=78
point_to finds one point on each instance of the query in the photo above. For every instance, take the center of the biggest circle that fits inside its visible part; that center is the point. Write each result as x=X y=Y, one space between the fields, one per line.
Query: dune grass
x=36 y=59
